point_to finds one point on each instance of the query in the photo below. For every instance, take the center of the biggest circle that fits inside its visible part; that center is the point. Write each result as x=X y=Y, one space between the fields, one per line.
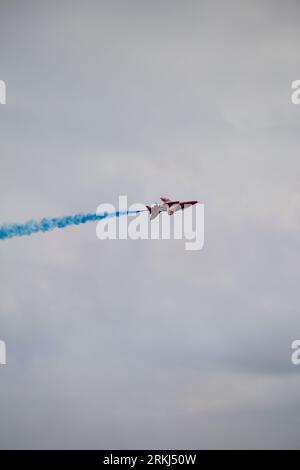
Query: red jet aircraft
x=169 y=206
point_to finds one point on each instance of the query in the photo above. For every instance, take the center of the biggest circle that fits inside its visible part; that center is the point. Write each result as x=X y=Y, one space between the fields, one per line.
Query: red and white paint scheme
x=169 y=206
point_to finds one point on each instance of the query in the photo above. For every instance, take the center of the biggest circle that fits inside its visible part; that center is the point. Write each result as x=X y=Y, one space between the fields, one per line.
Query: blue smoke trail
x=44 y=225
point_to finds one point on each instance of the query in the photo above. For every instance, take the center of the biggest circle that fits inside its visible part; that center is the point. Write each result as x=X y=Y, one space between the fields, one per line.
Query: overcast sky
x=141 y=344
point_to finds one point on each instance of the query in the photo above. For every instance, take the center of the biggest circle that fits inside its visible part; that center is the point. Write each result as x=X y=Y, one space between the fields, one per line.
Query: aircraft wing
x=174 y=208
x=165 y=200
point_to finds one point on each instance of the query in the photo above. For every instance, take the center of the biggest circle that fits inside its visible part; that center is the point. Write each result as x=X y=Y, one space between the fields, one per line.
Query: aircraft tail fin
x=153 y=211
